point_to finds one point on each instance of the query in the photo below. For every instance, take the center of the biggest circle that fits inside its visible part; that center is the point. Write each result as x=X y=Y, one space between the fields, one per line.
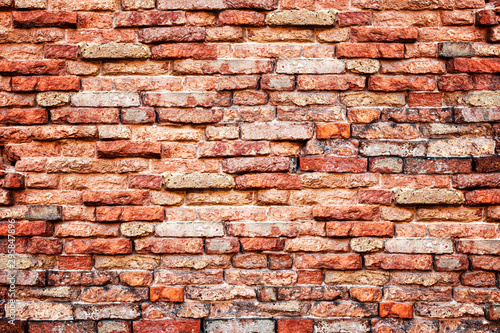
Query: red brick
x=381 y=197
x=376 y=34
x=400 y=83
x=330 y=131
x=171 y=34
x=169 y=245
x=44 y=246
x=486 y=17
x=424 y=99
x=242 y=17
x=262 y=181
x=333 y=164
x=85 y=116
x=479 y=279
x=39 y=18
x=350 y=213
x=262 y=244
x=110 y=198
x=74 y=262
x=23 y=117
x=437 y=166
x=59 y=51
x=67 y=327
x=129 y=149
x=455 y=82
x=482 y=197
x=330 y=82
x=330 y=261
x=111 y=214
x=354 y=18
x=398 y=261
x=45 y=83
x=256 y=164
x=176 y=51
x=166 y=294
x=145 y=181
x=235 y=148
x=99 y=246
x=474 y=65
x=396 y=310
x=13 y=181
x=294 y=325
x=368 y=50
x=148 y=18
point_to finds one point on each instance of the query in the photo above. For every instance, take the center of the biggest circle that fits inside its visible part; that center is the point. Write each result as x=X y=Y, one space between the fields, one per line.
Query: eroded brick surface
x=270 y=166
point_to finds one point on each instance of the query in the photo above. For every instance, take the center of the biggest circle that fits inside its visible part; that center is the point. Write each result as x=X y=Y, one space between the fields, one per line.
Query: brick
x=354 y=18
x=263 y=229
x=398 y=83
x=437 y=166
x=45 y=83
x=474 y=65
x=143 y=19
x=196 y=116
x=396 y=310
x=44 y=19
x=278 y=131
x=307 y=18
x=176 y=51
x=455 y=49
x=110 y=214
x=256 y=164
x=241 y=325
x=419 y=245
x=182 y=99
x=61 y=52
x=201 y=181
x=23 y=117
x=333 y=164
x=44 y=212
x=262 y=181
x=63 y=326
x=398 y=261
x=171 y=34
x=330 y=82
x=128 y=149
x=99 y=246
x=486 y=246
x=105 y=99
x=114 y=51
x=370 y=34
x=386 y=165
x=294 y=325
x=241 y=17
x=309 y=66
x=343 y=309
x=370 y=50
x=174 y=325
x=460 y=147
x=428 y=196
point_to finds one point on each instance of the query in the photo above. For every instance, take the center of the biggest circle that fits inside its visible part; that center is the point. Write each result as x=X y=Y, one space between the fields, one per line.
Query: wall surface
x=185 y=166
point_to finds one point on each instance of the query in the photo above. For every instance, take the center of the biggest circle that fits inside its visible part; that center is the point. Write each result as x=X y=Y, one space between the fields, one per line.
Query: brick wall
x=250 y=165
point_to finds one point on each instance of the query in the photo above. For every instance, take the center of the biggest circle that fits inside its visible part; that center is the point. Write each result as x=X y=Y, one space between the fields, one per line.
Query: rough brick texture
x=244 y=166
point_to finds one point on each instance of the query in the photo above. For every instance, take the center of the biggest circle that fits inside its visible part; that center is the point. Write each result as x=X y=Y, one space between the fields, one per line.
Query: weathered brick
x=44 y=19
x=333 y=164
x=428 y=197
x=114 y=51
x=309 y=66
x=296 y=17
